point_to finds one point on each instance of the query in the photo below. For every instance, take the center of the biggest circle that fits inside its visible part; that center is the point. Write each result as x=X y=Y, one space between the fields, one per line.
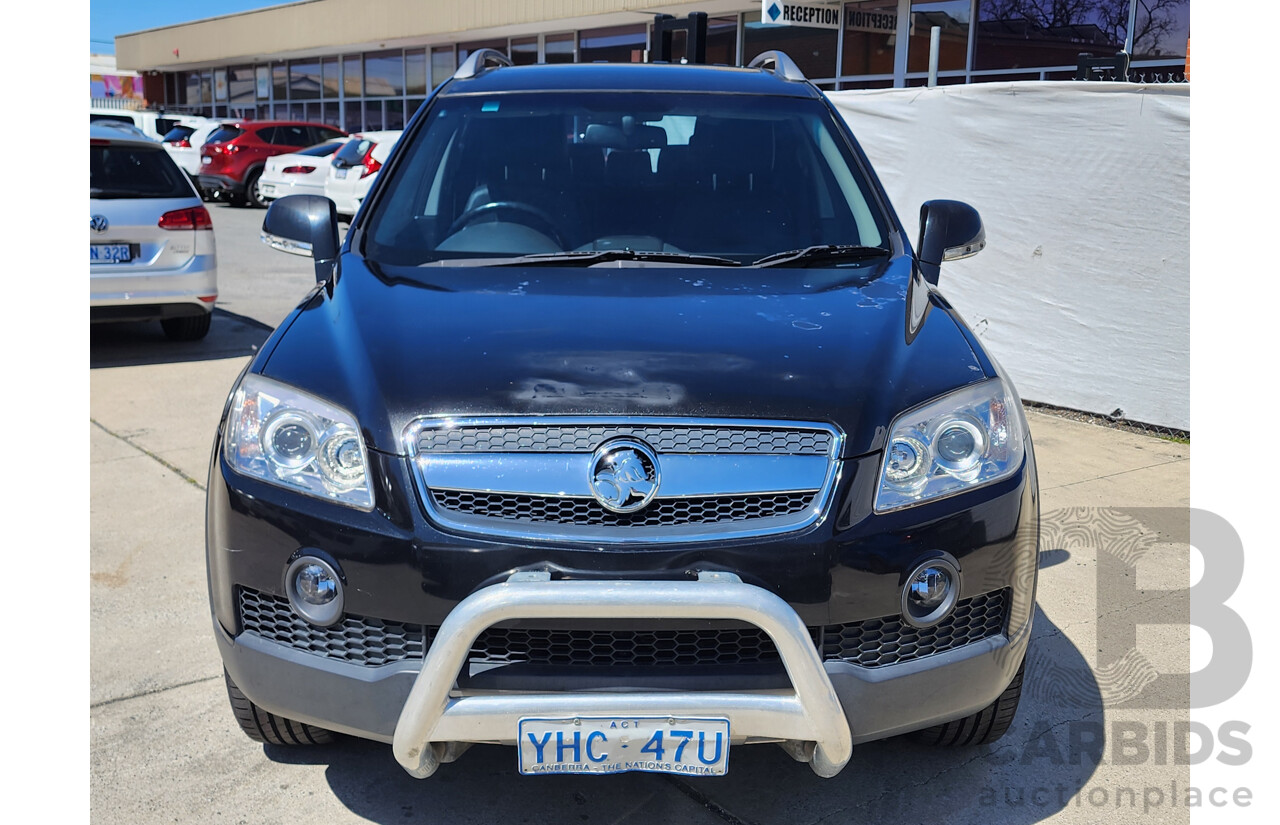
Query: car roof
x=118 y=132
x=629 y=77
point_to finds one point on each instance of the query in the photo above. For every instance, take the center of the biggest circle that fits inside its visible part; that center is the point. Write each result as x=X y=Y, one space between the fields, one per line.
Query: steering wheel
x=528 y=215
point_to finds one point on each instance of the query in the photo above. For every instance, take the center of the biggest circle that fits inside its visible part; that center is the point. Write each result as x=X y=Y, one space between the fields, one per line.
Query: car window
x=327 y=133
x=266 y=134
x=225 y=133
x=290 y=136
x=320 y=150
x=352 y=152
x=164 y=124
x=118 y=170
x=726 y=175
x=178 y=133
x=117 y=118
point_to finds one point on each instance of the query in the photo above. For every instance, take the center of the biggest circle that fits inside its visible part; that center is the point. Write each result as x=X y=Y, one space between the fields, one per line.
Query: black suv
x=627 y=428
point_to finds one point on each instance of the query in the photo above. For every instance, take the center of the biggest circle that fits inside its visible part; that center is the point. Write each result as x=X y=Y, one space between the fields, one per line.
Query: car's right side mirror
x=304 y=225
x=949 y=231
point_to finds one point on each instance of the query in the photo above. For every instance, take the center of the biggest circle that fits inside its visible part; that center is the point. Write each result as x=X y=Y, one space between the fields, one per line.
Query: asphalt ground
x=1103 y=715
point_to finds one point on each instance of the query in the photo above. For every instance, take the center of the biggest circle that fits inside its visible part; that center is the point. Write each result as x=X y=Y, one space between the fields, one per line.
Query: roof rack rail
x=783 y=66
x=480 y=60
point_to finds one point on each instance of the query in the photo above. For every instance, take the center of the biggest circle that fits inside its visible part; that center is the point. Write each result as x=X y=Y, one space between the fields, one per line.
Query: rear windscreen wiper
x=824 y=253
x=606 y=255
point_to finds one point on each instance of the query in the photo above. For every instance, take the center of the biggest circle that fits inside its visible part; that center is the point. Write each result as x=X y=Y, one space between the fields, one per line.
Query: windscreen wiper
x=602 y=256
x=823 y=253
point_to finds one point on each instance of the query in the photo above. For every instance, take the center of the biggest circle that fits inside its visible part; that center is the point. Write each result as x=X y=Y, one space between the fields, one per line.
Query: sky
x=108 y=18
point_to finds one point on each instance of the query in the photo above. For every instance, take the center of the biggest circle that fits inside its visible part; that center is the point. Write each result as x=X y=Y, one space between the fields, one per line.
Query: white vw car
x=151 y=249
x=299 y=173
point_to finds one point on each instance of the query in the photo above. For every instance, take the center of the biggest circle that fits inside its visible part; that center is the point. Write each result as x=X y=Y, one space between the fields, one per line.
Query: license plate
x=339 y=174
x=206 y=160
x=617 y=744
x=268 y=189
x=109 y=253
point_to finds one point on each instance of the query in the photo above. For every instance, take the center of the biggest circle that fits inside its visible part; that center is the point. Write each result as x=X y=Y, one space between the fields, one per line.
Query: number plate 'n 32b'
x=616 y=744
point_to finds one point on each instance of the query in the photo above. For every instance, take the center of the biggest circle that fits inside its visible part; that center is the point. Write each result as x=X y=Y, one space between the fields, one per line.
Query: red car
x=233 y=157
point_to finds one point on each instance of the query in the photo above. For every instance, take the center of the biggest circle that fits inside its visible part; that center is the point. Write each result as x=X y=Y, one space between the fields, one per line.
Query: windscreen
x=127 y=170
x=733 y=176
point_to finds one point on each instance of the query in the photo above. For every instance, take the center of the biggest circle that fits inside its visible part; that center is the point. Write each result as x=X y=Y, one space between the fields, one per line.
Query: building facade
x=370 y=66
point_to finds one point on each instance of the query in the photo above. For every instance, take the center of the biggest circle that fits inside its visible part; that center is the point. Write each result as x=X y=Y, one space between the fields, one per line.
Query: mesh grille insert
x=889 y=640
x=871 y=643
x=575 y=438
x=585 y=511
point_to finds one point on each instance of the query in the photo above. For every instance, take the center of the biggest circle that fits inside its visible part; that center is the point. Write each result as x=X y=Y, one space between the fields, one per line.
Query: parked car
x=628 y=429
x=151 y=246
x=299 y=173
x=183 y=143
x=354 y=168
x=233 y=157
x=153 y=124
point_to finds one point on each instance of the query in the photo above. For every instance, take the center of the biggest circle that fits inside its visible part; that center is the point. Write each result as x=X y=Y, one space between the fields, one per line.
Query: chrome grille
x=662 y=512
x=585 y=438
x=871 y=643
x=536 y=477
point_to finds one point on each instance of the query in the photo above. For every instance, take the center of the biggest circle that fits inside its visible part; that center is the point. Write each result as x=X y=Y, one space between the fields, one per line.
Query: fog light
x=314 y=588
x=929 y=587
x=931 y=592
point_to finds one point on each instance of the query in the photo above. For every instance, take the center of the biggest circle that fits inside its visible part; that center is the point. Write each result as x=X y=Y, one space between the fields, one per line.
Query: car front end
x=668 y=471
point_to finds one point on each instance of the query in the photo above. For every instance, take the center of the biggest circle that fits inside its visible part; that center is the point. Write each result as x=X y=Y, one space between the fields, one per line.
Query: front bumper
x=847 y=569
x=831 y=706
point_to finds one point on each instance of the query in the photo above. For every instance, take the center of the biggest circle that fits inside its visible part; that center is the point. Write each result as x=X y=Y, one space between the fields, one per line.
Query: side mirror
x=304 y=225
x=949 y=231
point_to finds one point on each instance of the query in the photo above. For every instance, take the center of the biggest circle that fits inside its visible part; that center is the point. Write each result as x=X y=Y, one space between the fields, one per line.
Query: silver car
x=151 y=248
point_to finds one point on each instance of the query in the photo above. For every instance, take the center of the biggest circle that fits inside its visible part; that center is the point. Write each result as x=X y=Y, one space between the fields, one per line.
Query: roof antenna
x=695 y=28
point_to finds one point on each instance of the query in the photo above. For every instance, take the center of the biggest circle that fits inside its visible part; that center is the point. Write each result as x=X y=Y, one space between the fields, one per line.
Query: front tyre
x=268 y=728
x=983 y=727
x=253 y=192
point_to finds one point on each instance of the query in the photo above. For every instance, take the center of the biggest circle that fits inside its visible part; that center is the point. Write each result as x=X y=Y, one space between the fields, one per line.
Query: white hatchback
x=151 y=249
x=185 y=149
x=299 y=173
x=353 y=168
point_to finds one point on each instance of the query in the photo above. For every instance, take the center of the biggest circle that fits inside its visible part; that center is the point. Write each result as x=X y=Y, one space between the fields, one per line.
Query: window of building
x=870 y=35
x=813 y=49
x=240 y=84
x=443 y=65
x=615 y=44
x=305 y=82
x=352 y=76
x=558 y=48
x=280 y=81
x=722 y=42
x=415 y=72
x=384 y=74
x=465 y=50
x=952 y=19
x=329 y=78
x=524 y=51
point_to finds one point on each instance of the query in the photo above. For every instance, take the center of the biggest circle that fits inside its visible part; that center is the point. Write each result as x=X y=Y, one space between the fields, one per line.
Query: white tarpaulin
x=1083 y=291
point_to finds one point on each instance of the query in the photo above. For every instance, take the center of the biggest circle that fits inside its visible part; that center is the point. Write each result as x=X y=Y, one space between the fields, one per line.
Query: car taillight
x=195 y=217
x=371 y=164
x=297 y=170
x=181 y=144
x=231 y=149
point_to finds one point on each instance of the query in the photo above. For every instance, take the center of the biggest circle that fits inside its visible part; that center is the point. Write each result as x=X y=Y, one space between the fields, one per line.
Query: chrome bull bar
x=809 y=721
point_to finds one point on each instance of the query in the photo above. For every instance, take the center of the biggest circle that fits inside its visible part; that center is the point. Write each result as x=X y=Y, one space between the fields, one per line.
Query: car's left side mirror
x=949 y=231
x=304 y=225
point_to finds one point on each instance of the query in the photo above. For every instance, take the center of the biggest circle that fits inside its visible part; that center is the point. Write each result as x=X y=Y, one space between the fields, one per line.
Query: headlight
x=970 y=437
x=287 y=437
